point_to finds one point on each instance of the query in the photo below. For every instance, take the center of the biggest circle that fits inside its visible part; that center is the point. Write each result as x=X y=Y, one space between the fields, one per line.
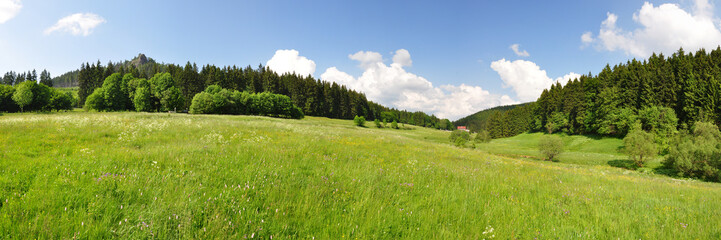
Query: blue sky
x=456 y=56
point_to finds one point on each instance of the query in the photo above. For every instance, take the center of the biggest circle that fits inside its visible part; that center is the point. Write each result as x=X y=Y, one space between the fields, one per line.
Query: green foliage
x=640 y=146
x=61 y=101
x=23 y=95
x=96 y=100
x=216 y=100
x=142 y=99
x=662 y=122
x=460 y=142
x=359 y=121
x=464 y=136
x=7 y=104
x=558 y=121
x=550 y=146
x=378 y=123
x=482 y=137
x=394 y=124
x=162 y=87
x=697 y=155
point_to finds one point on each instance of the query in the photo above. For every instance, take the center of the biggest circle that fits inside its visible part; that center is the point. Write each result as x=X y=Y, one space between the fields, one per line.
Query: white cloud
x=587 y=38
x=290 y=61
x=403 y=57
x=515 y=48
x=526 y=78
x=392 y=85
x=664 y=28
x=9 y=9
x=367 y=59
x=77 y=24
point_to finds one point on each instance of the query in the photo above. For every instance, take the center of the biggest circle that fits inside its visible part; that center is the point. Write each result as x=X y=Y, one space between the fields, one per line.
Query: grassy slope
x=136 y=175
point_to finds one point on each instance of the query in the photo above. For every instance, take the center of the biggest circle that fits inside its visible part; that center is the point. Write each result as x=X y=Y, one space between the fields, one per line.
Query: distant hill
x=141 y=62
x=477 y=121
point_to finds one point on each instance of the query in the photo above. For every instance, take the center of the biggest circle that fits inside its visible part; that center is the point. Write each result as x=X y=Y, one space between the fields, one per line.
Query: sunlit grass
x=139 y=175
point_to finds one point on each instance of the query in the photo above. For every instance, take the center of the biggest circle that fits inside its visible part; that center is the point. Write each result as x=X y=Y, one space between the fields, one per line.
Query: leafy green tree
x=378 y=123
x=96 y=100
x=640 y=146
x=7 y=104
x=23 y=95
x=61 y=101
x=394 y=124
x=203 y=104
x=142 y=100
x=359 y=121
x=550 y=146
x=697 y=155
x=115 y=94
x=662 y=122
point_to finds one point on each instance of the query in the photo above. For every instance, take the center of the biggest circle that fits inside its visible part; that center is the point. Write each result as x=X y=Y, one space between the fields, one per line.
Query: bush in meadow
x=698 y=154
x=359 y=121
x=456 y=134
x=394 y=124
x=550 y=146
x=378 y=123
x=640 y=146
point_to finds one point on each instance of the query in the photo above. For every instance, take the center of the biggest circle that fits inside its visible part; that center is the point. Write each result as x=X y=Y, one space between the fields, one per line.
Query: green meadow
x=158 y=175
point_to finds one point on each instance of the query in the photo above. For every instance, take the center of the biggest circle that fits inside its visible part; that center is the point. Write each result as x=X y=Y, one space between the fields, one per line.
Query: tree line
x=13 y=78
x=684 y=87
x=32 y=96
x=314 y=97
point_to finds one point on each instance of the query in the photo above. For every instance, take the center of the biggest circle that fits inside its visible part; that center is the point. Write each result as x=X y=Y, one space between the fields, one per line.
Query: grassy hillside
x=478 y=121
x=137 y=175
x=578 y=149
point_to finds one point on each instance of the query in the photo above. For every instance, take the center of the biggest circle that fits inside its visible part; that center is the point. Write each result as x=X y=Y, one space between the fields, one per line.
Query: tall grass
x=139 y=175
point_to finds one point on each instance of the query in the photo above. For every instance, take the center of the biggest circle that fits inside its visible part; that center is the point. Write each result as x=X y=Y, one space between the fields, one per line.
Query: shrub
x=394 y=124
x=697 y=155
x=359 y=121
x=640 y=146
x=378 y=123
x=482 y=137
x=456 y=134
x=460 y=142
x=550 y=146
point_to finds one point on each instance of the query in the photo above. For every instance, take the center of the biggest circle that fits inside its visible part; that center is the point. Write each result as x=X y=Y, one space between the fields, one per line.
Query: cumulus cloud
x=9 y=9
x=526 y=78
x=402 y=57
x=77 y=24
x=392 y=85
x=290 y=61
x=515 y=48
x=664 y=28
